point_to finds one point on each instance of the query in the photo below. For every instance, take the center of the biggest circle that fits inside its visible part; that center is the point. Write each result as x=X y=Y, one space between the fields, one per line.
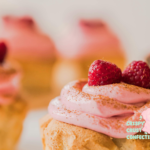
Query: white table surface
x=31 y=138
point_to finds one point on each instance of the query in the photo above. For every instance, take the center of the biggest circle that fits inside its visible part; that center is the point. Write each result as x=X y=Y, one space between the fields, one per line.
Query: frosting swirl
x=22 y=35
x=105 y=109
x=9 y=84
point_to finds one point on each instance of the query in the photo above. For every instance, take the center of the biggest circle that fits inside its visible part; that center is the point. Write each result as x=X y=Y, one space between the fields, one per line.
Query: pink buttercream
x=112 y=92
x=105 y=109
x=25 y=40
x=9 y=84
x=89 y=38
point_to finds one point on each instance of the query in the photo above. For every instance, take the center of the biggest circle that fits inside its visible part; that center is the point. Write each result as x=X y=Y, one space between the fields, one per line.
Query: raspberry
x=103 y=73
x=137 y=73
x=3 y=51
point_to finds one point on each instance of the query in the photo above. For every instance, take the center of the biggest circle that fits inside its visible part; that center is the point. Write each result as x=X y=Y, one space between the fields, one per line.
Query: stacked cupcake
x=12 y=107
x=35 y=52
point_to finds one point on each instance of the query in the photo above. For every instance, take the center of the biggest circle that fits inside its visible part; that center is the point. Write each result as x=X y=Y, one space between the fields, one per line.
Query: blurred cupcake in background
x=79 y=47
x=147 y=59
x=35 y=52
x=12 y=107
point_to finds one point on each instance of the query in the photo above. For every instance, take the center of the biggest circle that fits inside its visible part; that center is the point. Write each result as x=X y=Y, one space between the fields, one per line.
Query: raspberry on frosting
x=103 y=73
x=3 y=51
x=137 y=73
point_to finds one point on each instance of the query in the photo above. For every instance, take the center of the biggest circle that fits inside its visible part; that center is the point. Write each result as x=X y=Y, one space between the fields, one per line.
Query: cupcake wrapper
x=11 y=123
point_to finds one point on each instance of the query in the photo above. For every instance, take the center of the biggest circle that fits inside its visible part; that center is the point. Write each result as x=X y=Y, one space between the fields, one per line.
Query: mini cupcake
x=12 y=106
x=35 y=53
x=101 y=113
x=79 y=47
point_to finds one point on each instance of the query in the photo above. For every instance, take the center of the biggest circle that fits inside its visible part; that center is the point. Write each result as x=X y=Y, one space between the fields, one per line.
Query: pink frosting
x=9 y=84
x=25 y=40
x=89 y=38
x=146 y=116
x=105 y=109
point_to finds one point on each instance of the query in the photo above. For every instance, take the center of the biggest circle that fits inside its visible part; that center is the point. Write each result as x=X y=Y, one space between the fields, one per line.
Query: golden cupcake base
x=36 y=76
x=40 y=101
x=36 y=87
x=11 y=123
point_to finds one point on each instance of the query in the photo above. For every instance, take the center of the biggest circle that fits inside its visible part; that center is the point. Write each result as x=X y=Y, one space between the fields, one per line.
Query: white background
x=130 y=20
x=31 y=137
